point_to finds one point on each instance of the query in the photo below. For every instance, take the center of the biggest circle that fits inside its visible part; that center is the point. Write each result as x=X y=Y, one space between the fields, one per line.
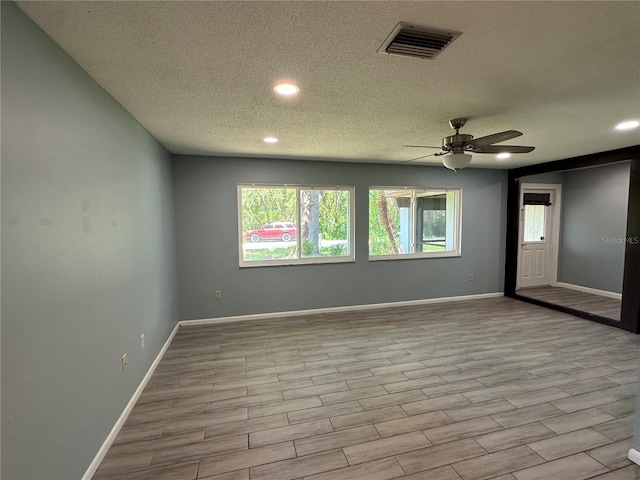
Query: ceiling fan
x=456 y=149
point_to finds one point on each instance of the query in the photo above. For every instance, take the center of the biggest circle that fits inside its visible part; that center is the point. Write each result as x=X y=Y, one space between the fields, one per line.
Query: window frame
x=416 y=193
x=300 y=260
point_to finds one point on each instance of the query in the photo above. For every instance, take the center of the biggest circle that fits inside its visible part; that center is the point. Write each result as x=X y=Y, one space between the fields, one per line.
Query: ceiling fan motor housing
x=456 y=142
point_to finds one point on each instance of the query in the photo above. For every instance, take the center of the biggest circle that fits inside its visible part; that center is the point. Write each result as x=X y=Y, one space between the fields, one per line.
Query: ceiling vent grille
x=422 y=42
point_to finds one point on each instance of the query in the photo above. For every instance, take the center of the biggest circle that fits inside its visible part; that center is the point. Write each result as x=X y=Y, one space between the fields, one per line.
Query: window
x=535 y=216
x=285 y=224
x=535 y=222
x=414 y=223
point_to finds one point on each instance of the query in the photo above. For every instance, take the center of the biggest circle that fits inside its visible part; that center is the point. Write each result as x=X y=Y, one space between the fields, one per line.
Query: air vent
x=422 y=42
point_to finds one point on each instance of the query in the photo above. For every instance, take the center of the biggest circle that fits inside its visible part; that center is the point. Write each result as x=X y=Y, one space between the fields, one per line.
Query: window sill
x=414 y=256
x=299 y=261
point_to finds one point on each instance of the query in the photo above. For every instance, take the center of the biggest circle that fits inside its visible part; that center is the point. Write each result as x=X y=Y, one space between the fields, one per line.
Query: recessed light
x=270 y=140
x=286 y=89
x=628 y=125
x=502 y=156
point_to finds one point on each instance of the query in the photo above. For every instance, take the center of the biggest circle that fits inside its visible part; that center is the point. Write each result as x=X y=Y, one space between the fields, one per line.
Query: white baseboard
x=350 y=308
x=595 y=291
x=634 y=456
x=120 y=422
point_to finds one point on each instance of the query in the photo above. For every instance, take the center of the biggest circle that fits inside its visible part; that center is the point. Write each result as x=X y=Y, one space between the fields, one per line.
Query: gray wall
x=207 y=245
x=88 y=256
x=594 y=209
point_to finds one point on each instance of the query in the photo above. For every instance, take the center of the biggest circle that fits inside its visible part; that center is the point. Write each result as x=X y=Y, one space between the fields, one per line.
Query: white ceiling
x=199 y=75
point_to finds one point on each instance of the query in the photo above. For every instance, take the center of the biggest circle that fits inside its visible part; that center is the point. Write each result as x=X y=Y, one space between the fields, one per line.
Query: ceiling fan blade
x=417 y=158
x=420 y=146
x=502 y=149
x=495 y=138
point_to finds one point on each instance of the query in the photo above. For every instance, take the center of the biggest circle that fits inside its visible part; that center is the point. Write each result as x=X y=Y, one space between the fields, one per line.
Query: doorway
x=539 y=235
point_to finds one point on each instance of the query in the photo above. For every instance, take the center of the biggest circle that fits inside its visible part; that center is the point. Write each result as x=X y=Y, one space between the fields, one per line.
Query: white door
x=539 y=224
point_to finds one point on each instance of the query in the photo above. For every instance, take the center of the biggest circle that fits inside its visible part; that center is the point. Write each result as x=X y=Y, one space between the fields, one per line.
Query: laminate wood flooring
x=471 y=390
x=587 y=302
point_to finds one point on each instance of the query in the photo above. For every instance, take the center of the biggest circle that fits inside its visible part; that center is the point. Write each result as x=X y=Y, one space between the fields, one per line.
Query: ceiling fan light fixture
x=456 y=161
x=270 y=140
x=503 y=156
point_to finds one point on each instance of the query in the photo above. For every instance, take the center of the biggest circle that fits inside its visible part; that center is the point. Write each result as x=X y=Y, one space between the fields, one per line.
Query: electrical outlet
x=471 y=277
x=124 y=362
x=218 y=294
x=142 y=341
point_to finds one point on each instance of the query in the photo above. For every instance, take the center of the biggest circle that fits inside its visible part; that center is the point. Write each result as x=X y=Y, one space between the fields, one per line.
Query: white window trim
x=421 y=191
x=350 y=258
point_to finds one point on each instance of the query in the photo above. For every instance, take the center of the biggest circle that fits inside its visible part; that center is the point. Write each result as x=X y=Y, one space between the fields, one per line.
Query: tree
x=264 y=205
x=387 y=224
x=380 y=242
x=334 y=215
x=310 y=219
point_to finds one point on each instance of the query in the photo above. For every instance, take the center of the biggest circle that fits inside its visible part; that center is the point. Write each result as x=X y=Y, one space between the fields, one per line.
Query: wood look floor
x=587 y=302
x=481 y=389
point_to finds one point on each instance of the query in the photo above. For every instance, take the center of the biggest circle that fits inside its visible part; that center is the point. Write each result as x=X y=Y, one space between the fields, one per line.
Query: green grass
x=433 y=248
x=265 y=254
x=285 y=253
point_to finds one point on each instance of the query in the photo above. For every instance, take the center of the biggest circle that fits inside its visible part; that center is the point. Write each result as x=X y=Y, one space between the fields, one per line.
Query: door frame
x=553 y=224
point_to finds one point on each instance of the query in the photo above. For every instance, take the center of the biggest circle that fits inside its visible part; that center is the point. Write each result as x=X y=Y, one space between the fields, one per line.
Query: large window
x=410 y=222
x=284 y=224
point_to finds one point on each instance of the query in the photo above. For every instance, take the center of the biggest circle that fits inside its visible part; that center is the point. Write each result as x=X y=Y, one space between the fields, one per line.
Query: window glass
x=324 y=216
x=413 y=222
x=535 y=221
x=295 y=224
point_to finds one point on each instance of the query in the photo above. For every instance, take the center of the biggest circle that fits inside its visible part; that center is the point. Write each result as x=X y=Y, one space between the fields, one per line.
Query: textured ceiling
x=199 y=75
